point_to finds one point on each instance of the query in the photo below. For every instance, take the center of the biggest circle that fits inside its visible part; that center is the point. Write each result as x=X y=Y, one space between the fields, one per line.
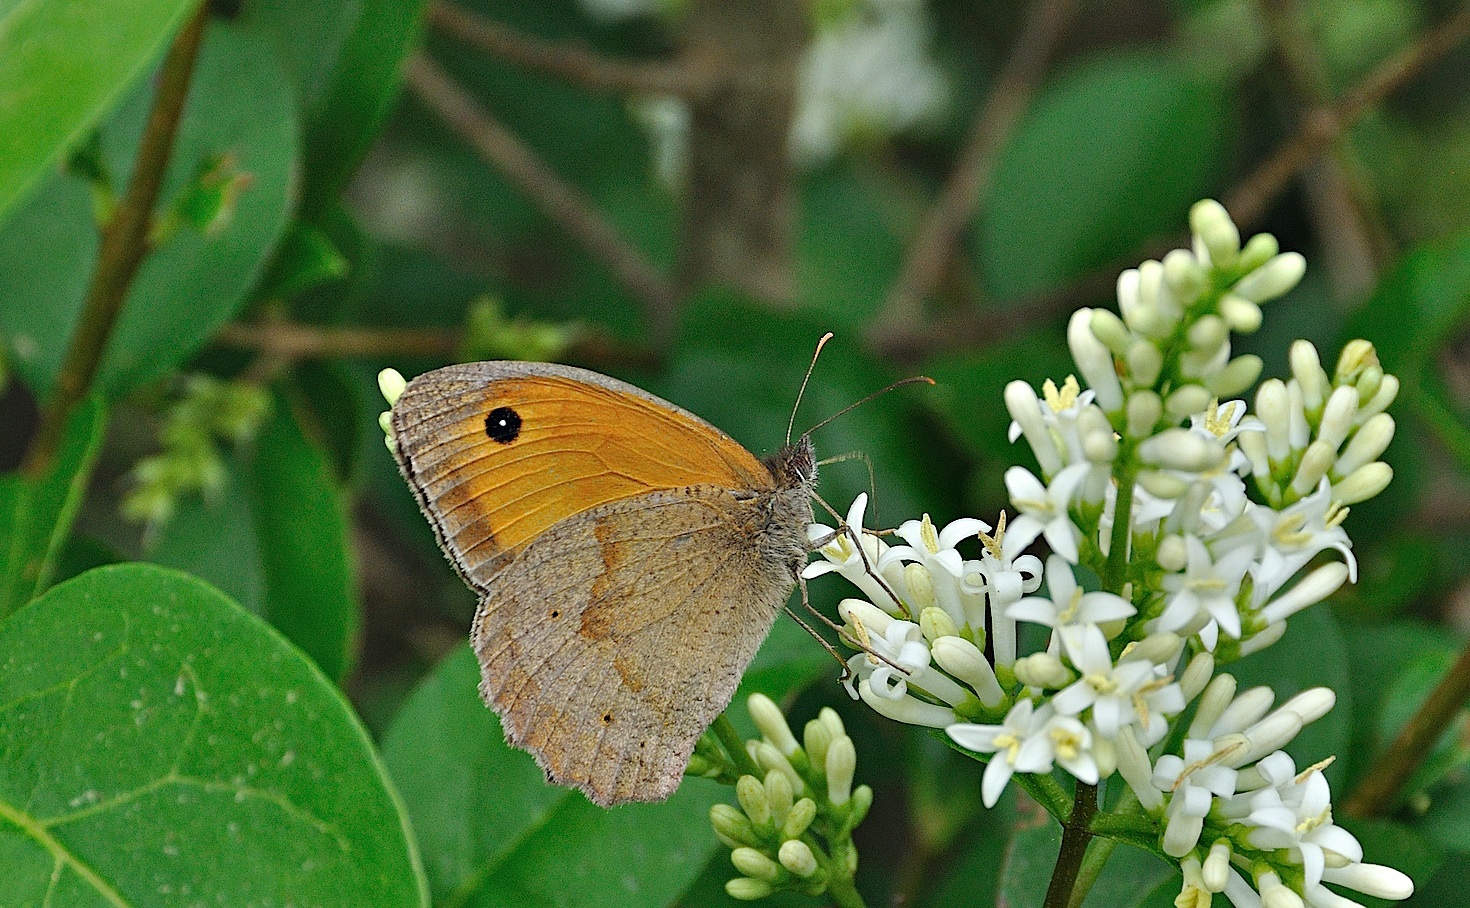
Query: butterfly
x=629 y=558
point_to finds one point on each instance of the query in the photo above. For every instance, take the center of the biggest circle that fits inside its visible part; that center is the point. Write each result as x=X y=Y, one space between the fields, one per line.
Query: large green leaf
x=301 y=527
x=36 y=515
x=62 y=63
x=1112 y=154
x=493 y=833
x=240 y=104
x=160 y=746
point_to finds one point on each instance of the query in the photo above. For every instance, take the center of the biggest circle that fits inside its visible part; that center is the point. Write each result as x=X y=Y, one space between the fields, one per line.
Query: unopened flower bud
x=1371 y=879
x=752 y=797
x=1388 y=389
x=1196 y=675
x=732 y=826
x=755 y=864
x=799 y=818
x=1042 y=671
x=1271 y=734
x=1337 y=416
x=1134 y=767
x=1162 y=485
x=1311 y=589
x=1306 y=368
x=1187 y=400
x=1216 y=868
x=934 y=622
x=779 y=795
x=1184 y=275
x=1145 y=361
x=964 y=660
x=1239 y=374
x=1258 y=250
x=1025 y=408
x=1316 y=461
x=796 y=856
x=1173 y=553
x=1145 y=409
x=392 y=385
x=1357 y=356
x=745 y=889
x=1240 y=314
x=1094 y=361
x=771 y=723
x=919 y=584
x=1311 y=704
x=1272 y=279
x=1108 y=328
x=1216 y=698
x=1208 y=333
x=1180 y=449
x=841 y=764
x=1210 y=222
x=1367 y=444
x=1099 y=443
x=1363 y=483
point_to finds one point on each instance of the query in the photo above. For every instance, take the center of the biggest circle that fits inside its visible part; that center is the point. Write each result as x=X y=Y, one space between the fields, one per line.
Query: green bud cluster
x=208 y=412
x=490 y=334
x=792 y=828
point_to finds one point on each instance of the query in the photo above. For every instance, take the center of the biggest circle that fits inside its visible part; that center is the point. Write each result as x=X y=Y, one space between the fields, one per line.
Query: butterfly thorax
x=788 y=506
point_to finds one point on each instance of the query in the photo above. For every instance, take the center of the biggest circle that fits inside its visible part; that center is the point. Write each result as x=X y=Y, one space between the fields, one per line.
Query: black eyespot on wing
x=503 y=425
x=607 y=718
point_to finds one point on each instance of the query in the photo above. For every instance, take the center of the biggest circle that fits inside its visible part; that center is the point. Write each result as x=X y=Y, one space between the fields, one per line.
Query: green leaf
x=238 y=103
x=1113 y=153
x=160 y=746
x=301 y=529
x=493 y=833
x=36 y=515
x=357 y=97
x=212 y=537
x=62 y=64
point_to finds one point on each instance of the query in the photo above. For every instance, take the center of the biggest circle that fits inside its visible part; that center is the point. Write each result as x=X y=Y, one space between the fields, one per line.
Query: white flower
x=1067 y=604
x=863 y=569
x=1020 y=744
x=1194 y=780
x=1207 y=587
x=1295 y=813
x=1128 y=693
x=1295 y=535
x=1044 y=510
x=936 y=552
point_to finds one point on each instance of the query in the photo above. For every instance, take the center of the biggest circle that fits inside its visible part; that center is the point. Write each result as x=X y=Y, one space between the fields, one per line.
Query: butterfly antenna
x=911 y=380
x=816 y=353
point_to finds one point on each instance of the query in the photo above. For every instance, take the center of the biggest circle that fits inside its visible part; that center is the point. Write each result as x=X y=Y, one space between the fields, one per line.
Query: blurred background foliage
x=366 y=183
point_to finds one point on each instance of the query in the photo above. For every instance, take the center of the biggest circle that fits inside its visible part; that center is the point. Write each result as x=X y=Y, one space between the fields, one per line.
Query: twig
x=1349 y=230
x=289 y=342
x=1246 y=203
x=295 y=341
x=122 y=247
x=934 y=243
x=683 y=77
x=1382 y=785
x=559 y=200
x=1323 y=126
x=1075 y=836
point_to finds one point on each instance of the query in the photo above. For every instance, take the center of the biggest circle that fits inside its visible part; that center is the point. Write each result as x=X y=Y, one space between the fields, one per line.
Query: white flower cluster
x=1207 y=525
x=867 y=72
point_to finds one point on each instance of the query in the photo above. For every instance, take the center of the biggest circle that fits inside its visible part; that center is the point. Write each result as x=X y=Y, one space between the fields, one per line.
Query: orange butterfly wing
x=499 y=452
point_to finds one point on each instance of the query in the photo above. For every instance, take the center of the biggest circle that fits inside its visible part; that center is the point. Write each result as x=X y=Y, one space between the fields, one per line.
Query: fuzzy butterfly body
x=629 y=557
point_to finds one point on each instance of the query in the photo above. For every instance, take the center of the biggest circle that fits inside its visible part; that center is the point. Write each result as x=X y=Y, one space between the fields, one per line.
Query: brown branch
x=122 y=247
x=1246 y=203
x=557 y=199
x=684 y=77
x=934 y=243
x=283 y=343
x=294 y=341
x=1323 y=126
x=1350 y=234
x=740 y=197
x=1380 y=788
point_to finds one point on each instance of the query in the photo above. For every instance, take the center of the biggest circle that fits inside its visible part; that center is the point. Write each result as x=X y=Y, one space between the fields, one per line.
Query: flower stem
x=840 y=885
x=1075 y=836
x=724 y=729
x=122 y=248
x=1116 y=570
